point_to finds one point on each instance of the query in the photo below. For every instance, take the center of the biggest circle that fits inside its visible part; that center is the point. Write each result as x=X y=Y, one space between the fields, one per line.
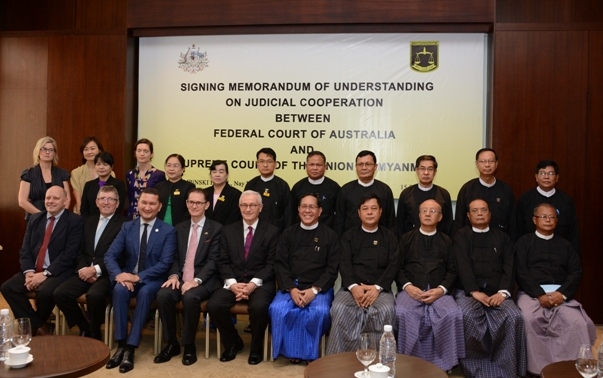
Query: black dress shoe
x=167 y=353
x=190 y=355
x=230 y=353
x=127 y=363
x=254 y=358
x=115 y=361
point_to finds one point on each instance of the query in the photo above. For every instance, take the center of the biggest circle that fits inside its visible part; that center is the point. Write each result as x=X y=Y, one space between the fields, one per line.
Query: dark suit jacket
x=260 y=263
x=179 y=191
x=161 y=247
x=226 y=211
x=88 y=255
x=206 y=256
x=64 y=244
x=90 y=192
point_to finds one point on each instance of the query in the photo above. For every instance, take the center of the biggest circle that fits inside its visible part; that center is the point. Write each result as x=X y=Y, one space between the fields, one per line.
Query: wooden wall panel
x=190 y=13
x=587 y=11
x=86 y=93
x=540 y=90
x=101 y=14
x=592 y=182
x=23 y=121
x=534 y=11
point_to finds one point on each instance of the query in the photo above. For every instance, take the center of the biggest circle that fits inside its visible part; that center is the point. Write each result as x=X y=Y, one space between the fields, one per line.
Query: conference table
x=344 y=365
x=561 y=369
x=61 y=356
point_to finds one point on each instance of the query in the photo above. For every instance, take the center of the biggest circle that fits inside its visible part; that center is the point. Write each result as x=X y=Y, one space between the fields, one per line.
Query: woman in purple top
x=143 y=176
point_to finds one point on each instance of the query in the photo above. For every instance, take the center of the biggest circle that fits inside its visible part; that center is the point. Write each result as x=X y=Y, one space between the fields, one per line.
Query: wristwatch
x=46 y=273
x=198 y=281
x=314 y=290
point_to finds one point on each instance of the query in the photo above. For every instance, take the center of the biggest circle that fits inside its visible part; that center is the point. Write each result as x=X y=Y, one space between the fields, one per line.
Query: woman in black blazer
x=223 y=198
x=103 y=164
x=173 y=192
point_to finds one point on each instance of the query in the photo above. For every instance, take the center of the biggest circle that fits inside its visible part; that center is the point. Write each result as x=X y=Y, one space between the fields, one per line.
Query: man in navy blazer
x=91 y=276
x=193 y=277
x=137 y=268
x=246 y=265
x=45 y=264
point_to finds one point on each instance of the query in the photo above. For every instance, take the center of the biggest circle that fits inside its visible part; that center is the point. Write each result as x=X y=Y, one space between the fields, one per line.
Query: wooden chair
x=179 y=308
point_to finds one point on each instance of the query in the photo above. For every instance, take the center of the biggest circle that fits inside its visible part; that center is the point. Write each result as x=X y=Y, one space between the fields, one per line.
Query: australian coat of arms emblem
x=194 y=60
x=424 y=55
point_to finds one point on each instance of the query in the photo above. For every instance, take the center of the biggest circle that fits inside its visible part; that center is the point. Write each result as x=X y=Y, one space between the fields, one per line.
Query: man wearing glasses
x=246 y=265
x=497 y=194
x=352 y=192
x=275 y=192
x=192 y=278
x=494 y=331
x=411 y=197
x=547 y=175
x=548 y=274
x=92 y=278
x=307 y=257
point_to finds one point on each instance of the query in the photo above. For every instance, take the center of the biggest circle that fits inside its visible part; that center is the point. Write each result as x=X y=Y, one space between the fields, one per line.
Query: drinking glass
x=366 y=353
x=22 y=332
x=586 y=364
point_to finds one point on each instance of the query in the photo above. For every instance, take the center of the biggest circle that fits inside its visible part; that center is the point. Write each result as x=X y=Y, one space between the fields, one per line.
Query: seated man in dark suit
x=47 y=257
x=246 y=264
x=138 y=262
x=193 y=277
x=92 y=278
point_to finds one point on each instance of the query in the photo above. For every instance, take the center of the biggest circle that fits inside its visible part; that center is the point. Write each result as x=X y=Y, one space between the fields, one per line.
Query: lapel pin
x=375 y=242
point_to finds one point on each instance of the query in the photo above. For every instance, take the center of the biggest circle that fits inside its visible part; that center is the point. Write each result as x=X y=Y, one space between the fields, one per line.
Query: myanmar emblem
x=424 y=55
x=193 y=60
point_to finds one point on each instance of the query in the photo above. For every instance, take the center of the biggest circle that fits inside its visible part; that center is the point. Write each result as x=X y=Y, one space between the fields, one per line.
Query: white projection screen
x=399 y=95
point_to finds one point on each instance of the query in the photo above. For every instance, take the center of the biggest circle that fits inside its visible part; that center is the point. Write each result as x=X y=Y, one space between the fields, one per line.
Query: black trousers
x=167 y=298
x=14 y=292
x=219 y=310
x=96 y=298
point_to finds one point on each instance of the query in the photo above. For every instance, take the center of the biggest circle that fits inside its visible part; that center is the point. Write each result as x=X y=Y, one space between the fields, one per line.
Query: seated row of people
x=147 y=259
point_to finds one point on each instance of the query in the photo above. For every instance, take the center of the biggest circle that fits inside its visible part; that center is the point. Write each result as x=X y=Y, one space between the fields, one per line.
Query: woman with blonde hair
x=41 y=176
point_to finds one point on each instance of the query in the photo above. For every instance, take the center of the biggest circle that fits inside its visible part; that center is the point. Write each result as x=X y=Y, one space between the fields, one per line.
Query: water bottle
x=6 y=333
x=600 y=362
x=387 y=350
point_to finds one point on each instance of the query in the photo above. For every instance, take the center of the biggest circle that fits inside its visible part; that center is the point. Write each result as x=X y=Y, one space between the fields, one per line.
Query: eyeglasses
x=430 y=211
x=196 y=203
x=308 y=207
x=173 y=166
x=479 y=211
x=426 y=169
x=47 y=150
x=489 y=161
x=368 y=165
x=544 y=217
x=251 y=206
x=544 y=174
x=107 y=199
x=262 y=162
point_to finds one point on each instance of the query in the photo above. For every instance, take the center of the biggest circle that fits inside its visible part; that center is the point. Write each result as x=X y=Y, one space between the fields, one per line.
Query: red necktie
x=248 y=240
x=44 y=247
